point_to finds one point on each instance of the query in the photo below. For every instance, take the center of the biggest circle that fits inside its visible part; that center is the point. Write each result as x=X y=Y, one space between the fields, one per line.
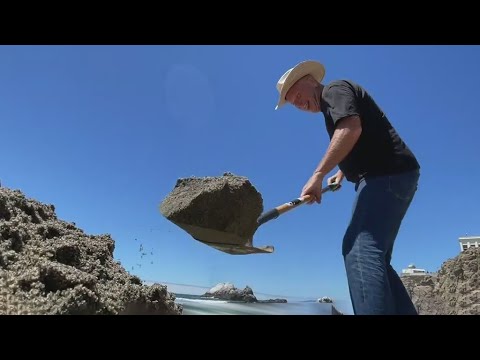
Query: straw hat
x=294 y=74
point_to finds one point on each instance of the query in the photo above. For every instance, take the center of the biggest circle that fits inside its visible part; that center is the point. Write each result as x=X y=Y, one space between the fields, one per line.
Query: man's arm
x=344 y=138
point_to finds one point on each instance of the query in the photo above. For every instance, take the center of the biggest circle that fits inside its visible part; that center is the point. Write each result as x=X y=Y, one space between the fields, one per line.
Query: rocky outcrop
x=227 y=291
x=453 y=290
x=325 y=299
x=49 y=266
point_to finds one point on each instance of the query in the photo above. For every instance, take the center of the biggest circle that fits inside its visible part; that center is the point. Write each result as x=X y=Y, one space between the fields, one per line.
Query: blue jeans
x=378 y=210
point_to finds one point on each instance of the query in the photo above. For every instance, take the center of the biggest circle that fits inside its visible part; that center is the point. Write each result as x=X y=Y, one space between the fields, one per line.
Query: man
x=369 y=153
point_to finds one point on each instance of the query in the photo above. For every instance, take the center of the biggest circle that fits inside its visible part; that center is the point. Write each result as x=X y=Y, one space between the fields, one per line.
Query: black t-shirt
x=379 y=150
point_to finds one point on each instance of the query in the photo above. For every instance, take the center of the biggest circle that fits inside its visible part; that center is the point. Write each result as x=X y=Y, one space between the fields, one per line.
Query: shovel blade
x=224 y=241
x=240 y=249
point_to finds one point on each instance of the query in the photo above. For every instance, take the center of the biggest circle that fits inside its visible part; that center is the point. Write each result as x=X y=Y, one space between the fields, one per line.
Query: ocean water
x=198 y=305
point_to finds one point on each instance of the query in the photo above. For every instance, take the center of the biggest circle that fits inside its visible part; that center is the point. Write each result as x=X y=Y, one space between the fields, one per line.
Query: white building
x=412 y=270
x=468 y=242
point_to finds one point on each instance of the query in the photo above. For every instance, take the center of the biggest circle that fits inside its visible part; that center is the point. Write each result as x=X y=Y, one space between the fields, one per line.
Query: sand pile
x=49 y=266
x=210 y=207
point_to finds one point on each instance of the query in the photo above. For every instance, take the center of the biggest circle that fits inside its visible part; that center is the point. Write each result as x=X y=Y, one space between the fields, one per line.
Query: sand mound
x=49 y=266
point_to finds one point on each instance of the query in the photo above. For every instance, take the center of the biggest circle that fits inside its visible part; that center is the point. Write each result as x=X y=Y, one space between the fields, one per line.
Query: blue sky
x=104 y=132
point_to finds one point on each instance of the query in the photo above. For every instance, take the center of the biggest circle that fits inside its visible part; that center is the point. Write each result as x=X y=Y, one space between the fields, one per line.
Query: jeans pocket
x=403 y=186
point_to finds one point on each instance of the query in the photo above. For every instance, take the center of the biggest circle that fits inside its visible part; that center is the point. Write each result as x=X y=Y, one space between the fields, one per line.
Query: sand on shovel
x=219 y=211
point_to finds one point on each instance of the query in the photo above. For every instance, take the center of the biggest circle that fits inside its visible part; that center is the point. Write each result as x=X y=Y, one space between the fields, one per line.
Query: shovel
x=235 y=245
x=282 y=209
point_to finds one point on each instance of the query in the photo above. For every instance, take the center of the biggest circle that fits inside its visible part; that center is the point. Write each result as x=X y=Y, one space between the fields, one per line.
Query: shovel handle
x=281 y=209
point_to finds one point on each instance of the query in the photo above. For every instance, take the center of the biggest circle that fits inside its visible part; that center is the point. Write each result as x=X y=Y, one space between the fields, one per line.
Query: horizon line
x=209 y=287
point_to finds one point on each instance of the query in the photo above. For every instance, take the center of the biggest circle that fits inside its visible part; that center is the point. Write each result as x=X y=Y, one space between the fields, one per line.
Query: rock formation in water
x=227 y=291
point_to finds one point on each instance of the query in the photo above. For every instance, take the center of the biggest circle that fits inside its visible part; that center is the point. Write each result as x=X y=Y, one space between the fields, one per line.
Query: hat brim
x=302 y=69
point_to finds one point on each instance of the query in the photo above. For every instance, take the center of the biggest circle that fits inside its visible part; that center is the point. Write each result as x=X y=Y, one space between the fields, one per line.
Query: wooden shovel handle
x=281 y=209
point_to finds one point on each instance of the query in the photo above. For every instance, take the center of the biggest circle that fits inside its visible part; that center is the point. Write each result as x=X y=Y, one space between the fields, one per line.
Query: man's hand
x=336 y=179
x=313 y=187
